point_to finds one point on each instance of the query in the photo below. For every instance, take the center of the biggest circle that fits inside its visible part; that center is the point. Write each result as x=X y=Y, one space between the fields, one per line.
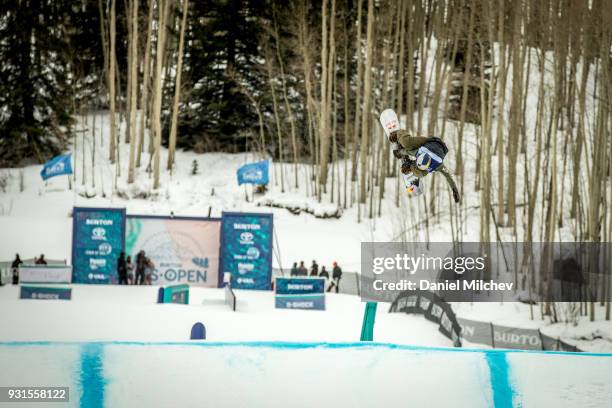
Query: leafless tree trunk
x=177 y=89
x=367 y=96
x=133 y=64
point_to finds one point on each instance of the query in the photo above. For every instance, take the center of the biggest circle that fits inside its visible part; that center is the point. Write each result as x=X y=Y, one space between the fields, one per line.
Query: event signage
x=57 y=166
x=254 y=173
x=176 y=294
x=98 y=236
x=247 y=249
x=45 y=293
x=183 y=250
x=45 y=274
x=300 y=293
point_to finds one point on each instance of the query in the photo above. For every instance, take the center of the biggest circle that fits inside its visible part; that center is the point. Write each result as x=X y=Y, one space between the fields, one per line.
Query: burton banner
x=247 y=250
x=182 y=249
x=97 y=240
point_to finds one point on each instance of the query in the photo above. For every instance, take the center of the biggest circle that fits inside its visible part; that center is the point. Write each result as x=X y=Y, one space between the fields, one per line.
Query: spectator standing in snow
x=130 y=270
x=314 y=269
x=294 y=269
x=149 y=266
x=41 y=260
x=336 y=276
x=324 y=273
x=122 y=269
x=15 y=269
x=302 y=271
x=140 y=268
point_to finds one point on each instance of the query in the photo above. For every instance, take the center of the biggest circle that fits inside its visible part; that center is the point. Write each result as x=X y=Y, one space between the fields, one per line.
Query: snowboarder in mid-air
x=419 y=155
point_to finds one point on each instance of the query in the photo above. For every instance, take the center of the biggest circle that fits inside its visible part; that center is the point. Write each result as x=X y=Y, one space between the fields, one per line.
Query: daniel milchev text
x=404 y=263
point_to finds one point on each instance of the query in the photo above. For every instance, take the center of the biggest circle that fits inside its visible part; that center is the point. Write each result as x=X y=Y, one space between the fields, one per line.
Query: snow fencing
x=498 y=336
x=493 y=335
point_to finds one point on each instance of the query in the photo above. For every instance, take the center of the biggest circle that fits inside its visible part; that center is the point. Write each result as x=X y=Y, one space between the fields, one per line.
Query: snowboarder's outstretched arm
x=408 y=142
x=451 y=183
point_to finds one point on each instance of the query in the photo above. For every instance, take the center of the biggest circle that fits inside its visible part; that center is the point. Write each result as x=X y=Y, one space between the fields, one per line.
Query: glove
x=456 y=196
x=406 y=168
x=393 y=137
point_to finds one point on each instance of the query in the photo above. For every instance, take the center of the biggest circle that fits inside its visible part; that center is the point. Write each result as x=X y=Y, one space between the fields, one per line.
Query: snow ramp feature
x=273 y=374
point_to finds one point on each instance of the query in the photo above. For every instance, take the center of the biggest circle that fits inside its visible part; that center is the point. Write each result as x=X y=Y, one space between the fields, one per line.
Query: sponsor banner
x=299 y=286
x=476 y=332
x=300 y=293
x=97 y=240
x=45 y=274
x=176 y=294
x=433 y=309
x=306 y=302
x=45 y=293
x=183 y=250
x=515 y=338
x=247 y=250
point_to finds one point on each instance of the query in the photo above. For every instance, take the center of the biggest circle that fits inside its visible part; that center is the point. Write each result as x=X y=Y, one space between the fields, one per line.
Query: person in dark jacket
x=336 y=276
x=302 y=271
x=41 y=260
x=324 y=273
x=15 y=269
x=314 y=269
x=122 y=269
x=294 y=269
x=141 y=264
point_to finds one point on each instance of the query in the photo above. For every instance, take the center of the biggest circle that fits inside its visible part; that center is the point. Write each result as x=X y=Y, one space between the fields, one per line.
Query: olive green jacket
x=411 y=144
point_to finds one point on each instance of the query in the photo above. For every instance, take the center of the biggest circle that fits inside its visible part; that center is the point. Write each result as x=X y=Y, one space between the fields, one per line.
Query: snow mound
x=296 y=204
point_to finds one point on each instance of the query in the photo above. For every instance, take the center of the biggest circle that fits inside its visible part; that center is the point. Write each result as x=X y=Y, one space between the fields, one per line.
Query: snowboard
x=390 y=123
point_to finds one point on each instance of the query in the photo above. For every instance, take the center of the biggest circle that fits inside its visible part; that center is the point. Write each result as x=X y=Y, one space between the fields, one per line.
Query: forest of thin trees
x=303 y=82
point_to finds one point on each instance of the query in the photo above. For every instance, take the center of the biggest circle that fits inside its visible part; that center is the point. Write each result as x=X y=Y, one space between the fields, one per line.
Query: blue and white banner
x=98 y=237
x=300 y=293
x=45 y=293
x=246 y=242
x=254 y=173
x=57 y=166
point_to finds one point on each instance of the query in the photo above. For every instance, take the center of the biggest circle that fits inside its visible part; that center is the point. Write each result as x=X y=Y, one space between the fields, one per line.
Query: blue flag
x=57 y=166
x=254 y=173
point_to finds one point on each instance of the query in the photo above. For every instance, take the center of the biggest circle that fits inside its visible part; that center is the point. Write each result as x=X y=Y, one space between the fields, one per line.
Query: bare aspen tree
x=177 y=89
x=358 y=87
x=367 y=96
x=127 y=107
x=277 y=120
x=515 y=114
x=163 y=9
x=464 y=96
x=503 y=75
x=133 y=63
x=146 y=81
x=331 y=75
x=111 y=83
x=323 y=121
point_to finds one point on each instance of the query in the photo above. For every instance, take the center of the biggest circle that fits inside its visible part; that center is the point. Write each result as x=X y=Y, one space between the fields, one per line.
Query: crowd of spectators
x=301 y=270
x=139 y=272
x=17 y=262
